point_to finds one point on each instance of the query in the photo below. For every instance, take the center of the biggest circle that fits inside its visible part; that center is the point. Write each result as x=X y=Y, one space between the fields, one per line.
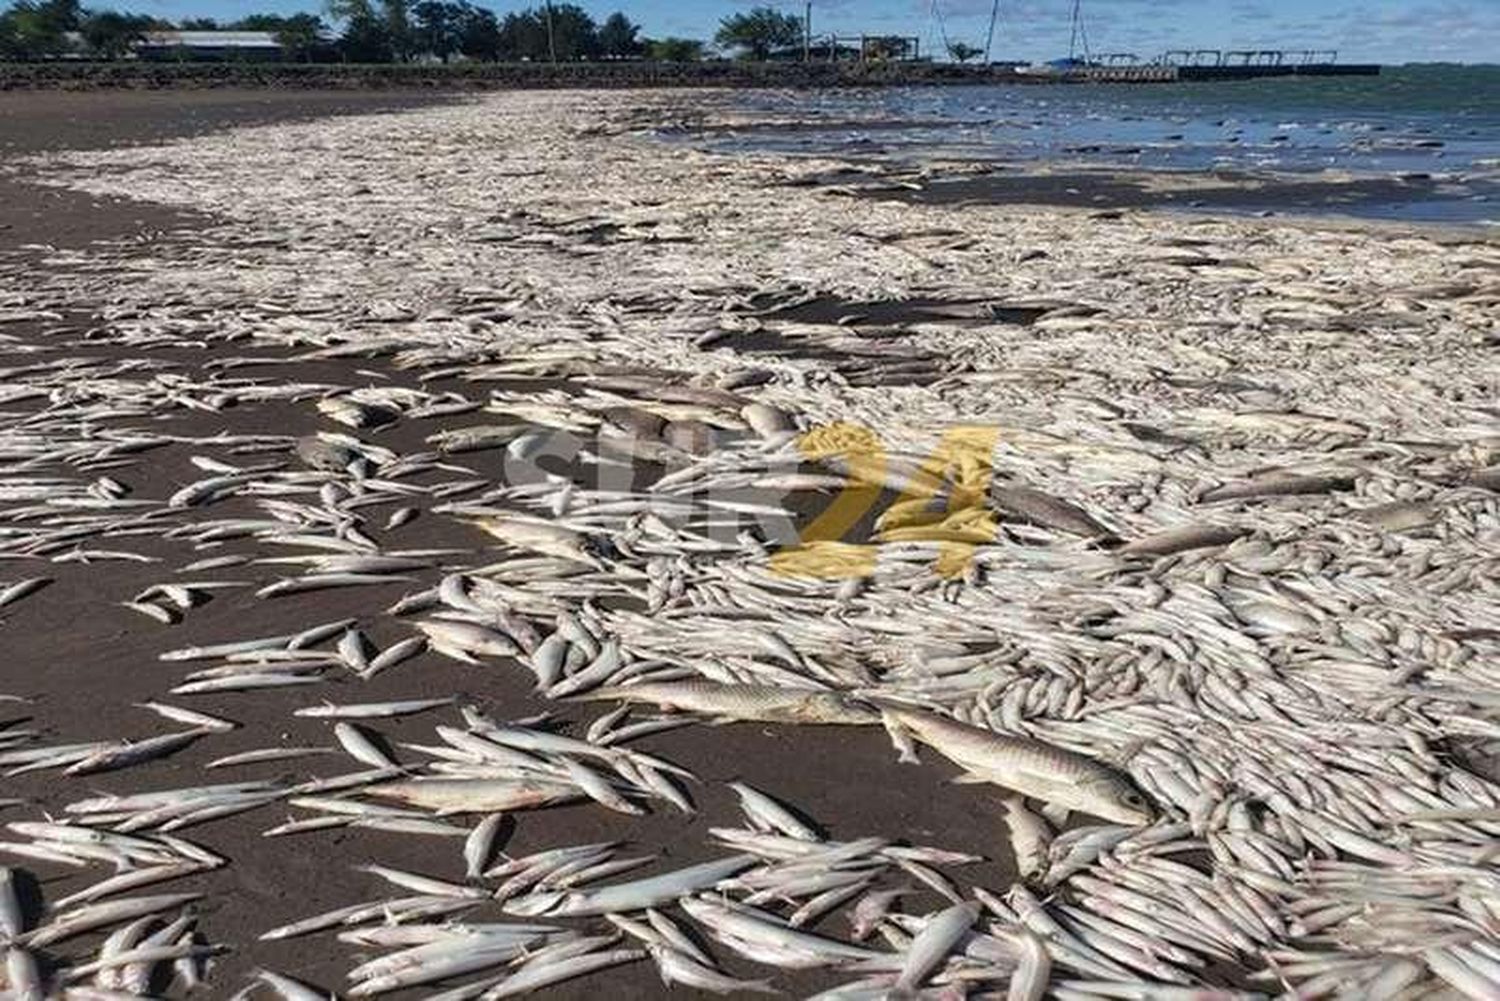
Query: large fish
x=765 y=703
x=1030 y=767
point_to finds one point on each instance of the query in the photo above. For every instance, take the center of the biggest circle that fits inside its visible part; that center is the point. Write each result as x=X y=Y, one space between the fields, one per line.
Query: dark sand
x=84 y=659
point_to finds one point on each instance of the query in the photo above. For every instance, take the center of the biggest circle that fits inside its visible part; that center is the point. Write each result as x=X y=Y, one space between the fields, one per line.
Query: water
x=1415 y=120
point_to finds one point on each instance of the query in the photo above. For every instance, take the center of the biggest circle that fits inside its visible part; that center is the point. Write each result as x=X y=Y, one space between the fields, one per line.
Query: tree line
x=370 y=31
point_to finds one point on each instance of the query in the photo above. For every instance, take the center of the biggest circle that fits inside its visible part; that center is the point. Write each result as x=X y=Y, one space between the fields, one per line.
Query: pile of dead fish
x=1182 y=536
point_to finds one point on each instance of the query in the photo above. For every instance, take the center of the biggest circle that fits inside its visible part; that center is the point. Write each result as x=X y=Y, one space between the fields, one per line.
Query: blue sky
x=1362 y=30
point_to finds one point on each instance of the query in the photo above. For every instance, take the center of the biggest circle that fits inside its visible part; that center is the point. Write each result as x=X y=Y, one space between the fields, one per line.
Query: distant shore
x=146 y=74
x=490 y=76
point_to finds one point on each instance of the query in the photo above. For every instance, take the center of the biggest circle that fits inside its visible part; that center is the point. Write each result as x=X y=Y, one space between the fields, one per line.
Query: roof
x=212 y=39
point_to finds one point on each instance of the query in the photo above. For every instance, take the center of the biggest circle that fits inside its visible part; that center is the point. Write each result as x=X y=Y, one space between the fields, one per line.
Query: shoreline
x=606 y=75
x=626 y=75
x=1126 y=364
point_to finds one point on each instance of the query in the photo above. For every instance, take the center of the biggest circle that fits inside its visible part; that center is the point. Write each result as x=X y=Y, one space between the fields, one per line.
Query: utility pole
x=551 y=38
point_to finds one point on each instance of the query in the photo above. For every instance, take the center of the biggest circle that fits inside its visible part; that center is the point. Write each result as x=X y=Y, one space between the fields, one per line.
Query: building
x=215 y=46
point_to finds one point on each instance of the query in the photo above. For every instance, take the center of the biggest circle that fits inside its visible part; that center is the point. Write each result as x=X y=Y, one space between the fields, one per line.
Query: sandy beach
x=196 y=273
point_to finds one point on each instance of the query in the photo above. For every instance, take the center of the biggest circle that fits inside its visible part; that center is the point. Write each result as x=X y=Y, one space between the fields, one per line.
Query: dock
x=1197 y=65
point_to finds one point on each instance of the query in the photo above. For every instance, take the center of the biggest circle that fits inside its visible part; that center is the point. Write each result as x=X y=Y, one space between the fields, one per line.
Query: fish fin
x=1057 y=815
x=968 y=778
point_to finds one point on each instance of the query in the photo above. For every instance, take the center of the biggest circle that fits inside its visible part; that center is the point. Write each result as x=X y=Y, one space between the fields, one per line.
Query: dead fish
x=446 y=635
x=475 y=439
x=355 y=414
x=21 y=589
x=766 y=703
x=1277 y=485
x=635 y=895
x=526 y=532
x=1041 y=508
x=767 y=421
x=103 y=915
x=1039 y=770
x=1181 y=540
x=446 y=795
x=371 y=710
x=324 y=455
x=127 y=754
x=1399 y=516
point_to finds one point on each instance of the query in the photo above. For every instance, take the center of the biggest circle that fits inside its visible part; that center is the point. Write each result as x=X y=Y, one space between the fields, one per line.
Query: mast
x=989 y=36
x=1080 y=34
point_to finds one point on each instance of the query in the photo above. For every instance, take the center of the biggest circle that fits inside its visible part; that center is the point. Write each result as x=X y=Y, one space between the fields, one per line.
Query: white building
x=215 y=45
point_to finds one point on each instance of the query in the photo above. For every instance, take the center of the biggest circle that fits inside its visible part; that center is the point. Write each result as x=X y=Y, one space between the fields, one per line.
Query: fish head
x=1116 y=798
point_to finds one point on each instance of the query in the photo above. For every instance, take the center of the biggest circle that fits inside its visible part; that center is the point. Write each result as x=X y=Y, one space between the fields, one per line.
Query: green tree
x=300 y=35
x=524 y=35
x=479 y=34
x=31 y=30
x=110 y=34
x=759 y=32
x=617 y=37
x=198 y=24
x=254 y=22
x=674 y=50
x=364 y=38
x=962 y=52
x=10 y=37
x=574 y=32
x=435 y=28
x=397 y=17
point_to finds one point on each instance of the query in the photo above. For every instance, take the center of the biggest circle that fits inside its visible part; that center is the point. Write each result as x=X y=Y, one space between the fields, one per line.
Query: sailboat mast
x=1073 y=41
x=989 y=37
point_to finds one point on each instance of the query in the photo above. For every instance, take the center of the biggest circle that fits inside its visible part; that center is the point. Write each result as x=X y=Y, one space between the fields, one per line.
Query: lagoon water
x=1442 y=121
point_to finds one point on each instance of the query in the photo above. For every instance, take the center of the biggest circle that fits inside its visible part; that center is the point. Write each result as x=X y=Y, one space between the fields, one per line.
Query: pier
x=1182 y=65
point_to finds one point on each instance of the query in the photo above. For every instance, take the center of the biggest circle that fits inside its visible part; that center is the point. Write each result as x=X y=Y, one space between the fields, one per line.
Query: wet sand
x=82 y=657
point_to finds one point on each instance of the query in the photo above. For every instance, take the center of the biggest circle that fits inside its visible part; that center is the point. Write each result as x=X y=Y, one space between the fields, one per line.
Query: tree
x=365 y=38
x=617 y=37
x=963 y=53
x=198 y=24
x=524 y=35
x=674 y=50
x=300 y=35
x=759 y=32
x=574 y=32
x=479 y=34
x=110 y=34
x=397 y=17
x=435 y=28
x=31 y=30
x=10 y=37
